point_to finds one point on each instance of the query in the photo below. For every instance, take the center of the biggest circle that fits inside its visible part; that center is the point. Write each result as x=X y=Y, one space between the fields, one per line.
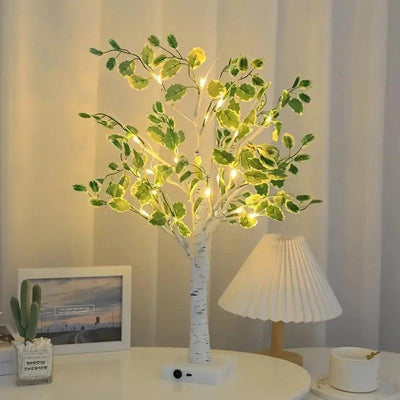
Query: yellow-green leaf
x=255 y=177
x=138 y=82
x=196 y=57
x=246 y=221
x=170 y=68
x=228 y=119
x=127 y=68
x=183 y=229
x=148 y=55
x=175 y=92
x=274 y=212
x=245 y=92
x=216 y=89
x=155 y=133
x=119 y=205
x=288 y=140
x=251 y=118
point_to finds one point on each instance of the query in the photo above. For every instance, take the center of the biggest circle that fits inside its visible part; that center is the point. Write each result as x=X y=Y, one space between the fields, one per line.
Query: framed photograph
x=84 y=309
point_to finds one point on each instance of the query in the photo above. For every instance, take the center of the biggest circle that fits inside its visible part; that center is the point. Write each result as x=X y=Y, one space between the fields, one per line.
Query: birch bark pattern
x=199 y=348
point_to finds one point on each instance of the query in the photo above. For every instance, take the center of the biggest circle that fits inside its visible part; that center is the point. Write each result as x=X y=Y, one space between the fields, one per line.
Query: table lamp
x=282 y=282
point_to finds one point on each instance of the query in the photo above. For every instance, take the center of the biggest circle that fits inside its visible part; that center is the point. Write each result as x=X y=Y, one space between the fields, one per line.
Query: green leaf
x=180 y=165
x=228 y=119
x=316 y=201
x=296 y=81
x=292 y=207
x=251 y=118
x=244 y=157
x=170 y=139
x=79 y=188
x=158 y=60
x=285 y=97
x=293 y=169
x=234 y=71
x=307 y=139
x=158 y=107
x=222 y=157
x=172 y=41
x=94 y=186
x=162 y=173
x=114 y=44
x=216 y=89
x=125 y=181
x=274 y=212
x=243 y=130
x=257 y=81
x=137 y=161
x=127 y=149
x=141 y=191
x=305 y=97
x=296 y=105
x=147 y=55
x=158 y=218
x=262 y=189
x=97 y=202
x=245 y=92
x=153 y=40
x=246 y=221
x=243 y=64
x=288 y=140
x=183 y=229
x=305 y=83
x=110 y=64
x=84 y=115
x=113 y=166
x=119 y=205
x=257 y=63
x=302 y=157
x=95 y=51
x=175 y=92
x=179 y=209
x=138 y=82
x=196 y=57
x=170 y=68
x=155 y=133
x=185 y=176
x=234 y=105
x=303 y=197
x=255 y=177
x=127 y=68
x=197 y=204
x=115 y=190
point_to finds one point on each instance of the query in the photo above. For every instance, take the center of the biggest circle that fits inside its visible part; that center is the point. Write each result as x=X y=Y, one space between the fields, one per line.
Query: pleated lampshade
x=281 y=281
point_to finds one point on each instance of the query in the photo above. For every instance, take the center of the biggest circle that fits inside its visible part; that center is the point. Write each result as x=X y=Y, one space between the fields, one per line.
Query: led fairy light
x=238 y=210
x=218 y=179
x=154 y=192
x=176 y=159
x=136 y=140
x=235 y=134
x=219 y=103
x=234 y=173
x=207 y=192
x=145 y=213
x=149 y=171
x=202 y=83
x=253 y=215
x=157 y=78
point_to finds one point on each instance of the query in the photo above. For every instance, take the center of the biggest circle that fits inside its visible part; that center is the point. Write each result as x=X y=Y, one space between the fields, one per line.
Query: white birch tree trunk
x=199 y=348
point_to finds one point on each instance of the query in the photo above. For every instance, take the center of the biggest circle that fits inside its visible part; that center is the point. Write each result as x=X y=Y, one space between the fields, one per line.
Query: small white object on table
x=316 y=362
x=135 y=374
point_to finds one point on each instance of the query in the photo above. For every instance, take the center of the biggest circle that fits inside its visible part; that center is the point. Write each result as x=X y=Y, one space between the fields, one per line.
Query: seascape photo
x=80 y=310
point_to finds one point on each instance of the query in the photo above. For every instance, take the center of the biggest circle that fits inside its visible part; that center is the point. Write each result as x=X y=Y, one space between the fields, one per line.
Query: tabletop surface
x=135 y=374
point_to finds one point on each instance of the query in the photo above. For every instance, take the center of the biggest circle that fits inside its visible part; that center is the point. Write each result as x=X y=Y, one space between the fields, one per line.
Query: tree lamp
x=282 y=282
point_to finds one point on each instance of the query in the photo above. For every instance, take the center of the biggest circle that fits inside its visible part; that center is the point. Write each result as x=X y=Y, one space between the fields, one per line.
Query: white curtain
x=350 y=51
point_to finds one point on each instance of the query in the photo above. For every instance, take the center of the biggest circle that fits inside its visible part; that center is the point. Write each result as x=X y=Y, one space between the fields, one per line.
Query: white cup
x=351 y=371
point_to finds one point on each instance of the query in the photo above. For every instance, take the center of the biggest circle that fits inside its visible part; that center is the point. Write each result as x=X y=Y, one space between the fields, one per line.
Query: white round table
x=316 y=361
x=135 y=374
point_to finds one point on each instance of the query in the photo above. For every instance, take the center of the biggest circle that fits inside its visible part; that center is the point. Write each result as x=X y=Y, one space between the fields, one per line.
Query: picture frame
x=84 y=309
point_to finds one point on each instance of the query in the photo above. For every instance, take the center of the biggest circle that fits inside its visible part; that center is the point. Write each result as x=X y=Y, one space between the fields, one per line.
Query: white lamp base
x=212 y=373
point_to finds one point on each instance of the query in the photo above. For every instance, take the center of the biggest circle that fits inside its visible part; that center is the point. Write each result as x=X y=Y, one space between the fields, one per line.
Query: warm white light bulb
x=157 y=78
x=235 y=134
x=154 y=192
x=176 y=159
x=136 y=140
x=202 y=82
x=149 y=171
x=206 y=118
x=233 y=173
x=145 y=213
x=238 y=210
x=207 y=192
x=253 y=215
x=220 y=102
x=218 y=179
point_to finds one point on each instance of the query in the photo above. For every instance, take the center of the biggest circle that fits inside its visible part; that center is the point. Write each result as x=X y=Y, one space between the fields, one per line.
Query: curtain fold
x=349 y=49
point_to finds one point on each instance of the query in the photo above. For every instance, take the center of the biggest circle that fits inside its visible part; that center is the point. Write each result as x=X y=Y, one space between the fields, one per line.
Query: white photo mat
x=121 y=274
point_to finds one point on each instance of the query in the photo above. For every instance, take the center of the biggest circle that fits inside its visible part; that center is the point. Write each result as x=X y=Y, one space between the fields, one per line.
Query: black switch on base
x=177 y=374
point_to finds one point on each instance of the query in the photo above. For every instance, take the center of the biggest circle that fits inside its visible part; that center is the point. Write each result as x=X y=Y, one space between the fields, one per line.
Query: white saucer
x=386 y=391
